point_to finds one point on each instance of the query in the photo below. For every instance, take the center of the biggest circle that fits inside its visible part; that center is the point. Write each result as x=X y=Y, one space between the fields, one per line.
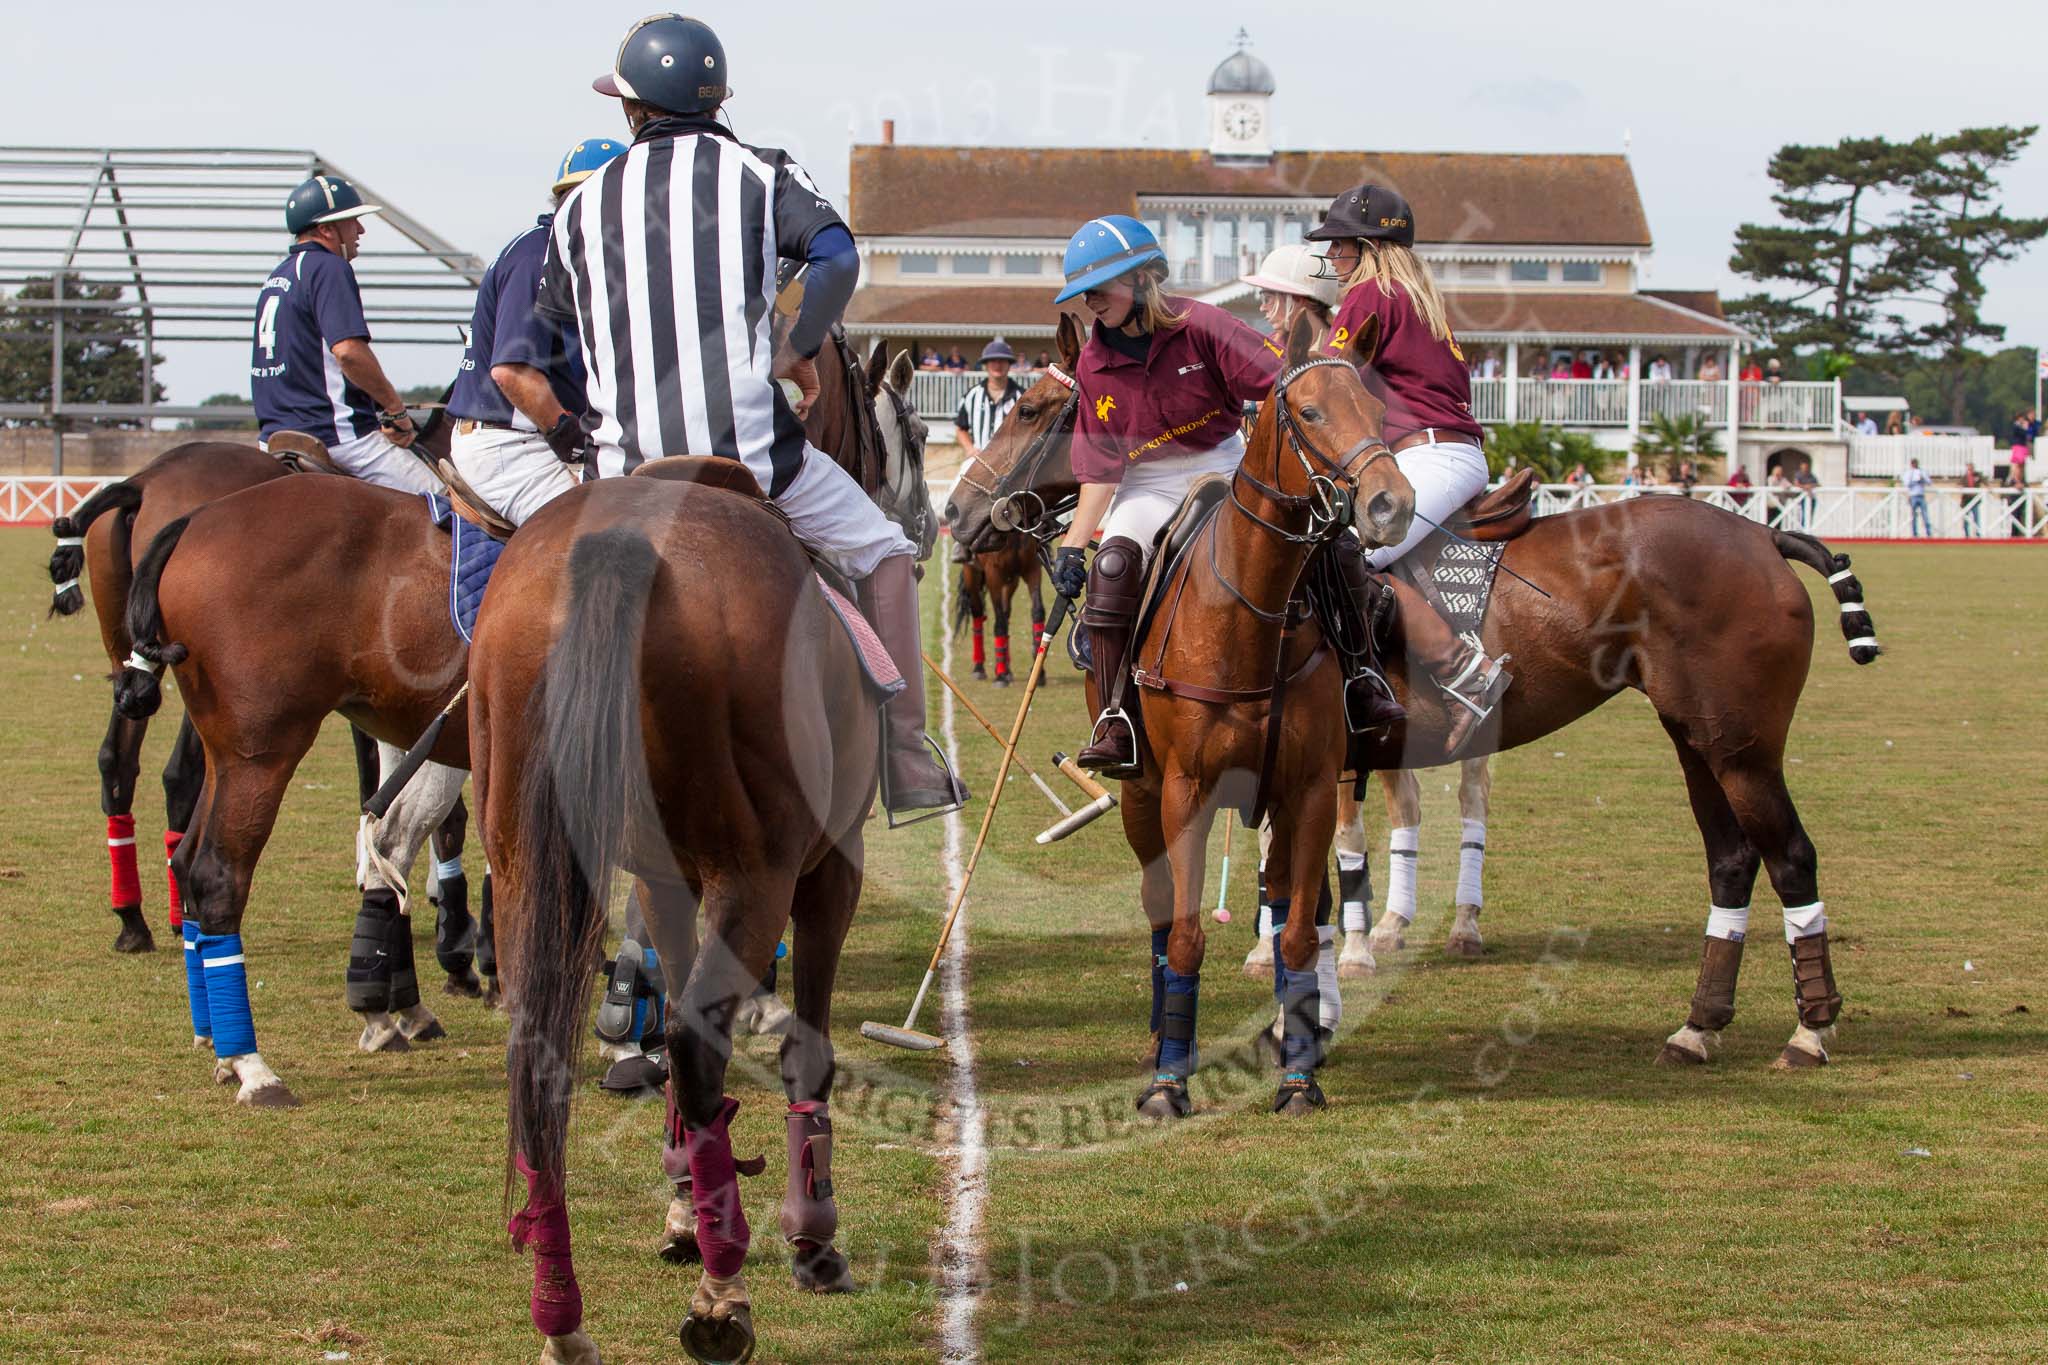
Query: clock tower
x=1240 y=106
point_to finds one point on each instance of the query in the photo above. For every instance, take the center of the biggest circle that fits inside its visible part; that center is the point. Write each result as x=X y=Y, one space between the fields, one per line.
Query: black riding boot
x=1369 y=702
x=917 y=779
x=1115 y=581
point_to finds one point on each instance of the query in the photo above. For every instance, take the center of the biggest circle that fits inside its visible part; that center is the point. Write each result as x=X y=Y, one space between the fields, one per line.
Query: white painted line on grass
x=960 y=1249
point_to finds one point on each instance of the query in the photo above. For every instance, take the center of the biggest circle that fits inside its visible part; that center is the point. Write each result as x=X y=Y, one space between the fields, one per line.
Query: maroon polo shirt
x=1186 y=397
x=1424 y=382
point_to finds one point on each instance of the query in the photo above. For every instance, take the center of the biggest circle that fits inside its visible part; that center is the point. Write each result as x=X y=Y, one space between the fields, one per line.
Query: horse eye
x=1027 y=412
x=1311 y=415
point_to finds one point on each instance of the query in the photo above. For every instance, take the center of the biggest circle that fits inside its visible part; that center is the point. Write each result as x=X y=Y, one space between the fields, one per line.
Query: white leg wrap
x=1804 y=921
x=1265 y=920
x=1330 y=1008
x=1404 y=847
x=1471 y=863
x=1357 y=912
x=1729 y=924
x=448 y=871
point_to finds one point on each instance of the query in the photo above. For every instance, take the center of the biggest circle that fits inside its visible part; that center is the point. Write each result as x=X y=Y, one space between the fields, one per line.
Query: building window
x=917 y=263
x=1478 y=272
x=1529 y=272
x=1293 y=229
x=1021 y=265
x=1582 y=272
x=1223 y=249
x=1258 y=238
x=971 y=263
x=1187 y=247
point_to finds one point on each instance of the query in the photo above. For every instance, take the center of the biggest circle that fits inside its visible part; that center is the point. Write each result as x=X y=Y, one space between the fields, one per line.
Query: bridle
x=1332 y=495
x=1013 y=492
x=919 y=522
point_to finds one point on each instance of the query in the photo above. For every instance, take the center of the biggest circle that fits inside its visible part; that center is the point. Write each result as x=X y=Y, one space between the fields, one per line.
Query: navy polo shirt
x=507 y=331
x=309 y=303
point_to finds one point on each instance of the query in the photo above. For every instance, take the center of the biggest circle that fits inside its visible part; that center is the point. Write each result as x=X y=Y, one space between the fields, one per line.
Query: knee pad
x=1115 y=580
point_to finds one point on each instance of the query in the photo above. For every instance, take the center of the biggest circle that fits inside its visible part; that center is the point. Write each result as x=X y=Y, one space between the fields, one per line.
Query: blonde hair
x=1149 y=303
x=1386 y=265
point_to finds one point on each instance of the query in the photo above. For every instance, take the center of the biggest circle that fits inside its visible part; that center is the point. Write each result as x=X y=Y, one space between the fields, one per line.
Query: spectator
x=1867 y=427
x=1581 y=367
x=1973 y=501
x=1688 y=475
x=1561 y=366
x=1580 y=479
x=1914 y=480
x=2026 y=430
x=1606 y=369
x=1660 y=369
x=1710 y=370
x=1738 y=477
x=1895 y=425
x=989 y=402
x=1752 y=373
x=956 y=361
x=1774 y=373
x=1044 y=359
x=1808 y=484
x=930 y=359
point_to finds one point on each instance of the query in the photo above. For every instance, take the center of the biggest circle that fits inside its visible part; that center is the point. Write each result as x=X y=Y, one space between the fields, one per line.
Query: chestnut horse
x=990 y=579
x=1697 y=609
x=658 y=684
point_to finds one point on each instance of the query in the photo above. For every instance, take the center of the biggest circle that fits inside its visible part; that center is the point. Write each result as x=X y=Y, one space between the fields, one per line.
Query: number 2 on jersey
x=266 y=327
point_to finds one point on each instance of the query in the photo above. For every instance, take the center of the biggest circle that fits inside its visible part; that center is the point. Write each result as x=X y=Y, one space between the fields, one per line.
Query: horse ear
x=878 y=366
x=900 y=370
x=1070 y=340
x=1365 y=346
x=1301 y=339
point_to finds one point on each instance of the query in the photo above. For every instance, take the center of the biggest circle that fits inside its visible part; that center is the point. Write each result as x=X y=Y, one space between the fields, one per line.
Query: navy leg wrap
x=1298 y=994
x=195 y=980
x=227 y=994
x=1158 y=975
x=1177 y=1024
x=369 y=953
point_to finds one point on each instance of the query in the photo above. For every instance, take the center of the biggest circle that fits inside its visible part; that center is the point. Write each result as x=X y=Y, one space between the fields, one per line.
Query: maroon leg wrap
x=172 y=838
x=557 y=1304
x=722 y=1233
x=1813 y=981
x=809 y=1213
x=979 y=658
x=1713 y=999
x=1002 y=656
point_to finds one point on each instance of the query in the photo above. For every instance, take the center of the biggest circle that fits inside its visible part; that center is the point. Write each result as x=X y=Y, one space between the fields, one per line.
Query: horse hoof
x=1258 y=963
x=1164 y=1100
x=1674 y=1055
x=223 y=1074
x=1465 y=948
x=680 y=1248
x=980 y=673
x=134 y=936
x=1295 y=1099
x=465 y=985
x=821 y=1270
x=574 y=1349
x=273 y=1095
x=720 y=1340
x=1798 y=1059
x=1356 y=966
x=493 y=996
x=382 y=1038
x=1001 y=680
x=427 y=1033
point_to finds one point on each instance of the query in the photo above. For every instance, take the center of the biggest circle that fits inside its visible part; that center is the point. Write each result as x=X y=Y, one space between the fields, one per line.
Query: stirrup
x=1485 y=680
x=1114 y=715
x=1373 y=681
x=953 y=785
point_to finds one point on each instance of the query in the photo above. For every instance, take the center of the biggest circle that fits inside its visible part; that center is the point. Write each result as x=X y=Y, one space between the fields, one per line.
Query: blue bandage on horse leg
x=1159 y=937
x=1300 y=1005
x=1177 y=1024
x=195 y=981
x=653 y=1011
x=227 y=994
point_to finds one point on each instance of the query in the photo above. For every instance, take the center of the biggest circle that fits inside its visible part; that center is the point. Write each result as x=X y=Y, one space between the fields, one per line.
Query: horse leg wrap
x=809 y=1213
x=1472 y=864
x=1037 y=636
x=1354 y=889
x=1713 y=999
x=172 y=838
x=631 y=1009
x=1177 y=1024
x=125 y=892
x=980 y=655
x=195 y=981
x=227 y=994
x=486 y=935
x=370 y=968
x=722 y=1233
x=1813 y=982
x=1404 y=847
x=543 y=1225
x=1159 y=937
x=1002 y=656
x=454 y=926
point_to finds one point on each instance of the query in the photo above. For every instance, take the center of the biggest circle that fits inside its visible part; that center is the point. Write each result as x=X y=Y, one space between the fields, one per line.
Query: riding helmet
x=672 y=62
x=1105 y=248
x=1370 y=211
x=324 y=199
x=585 y=159
x=998 y=349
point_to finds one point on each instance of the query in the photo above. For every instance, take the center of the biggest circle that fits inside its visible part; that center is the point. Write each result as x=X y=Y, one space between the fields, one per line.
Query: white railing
x=1846 y=512
x=1573 y=402
x=1490 y=400
x=1790 y=406
x=38 y=500
x=1941 y=455
x=1702 y=398
x=937 y=393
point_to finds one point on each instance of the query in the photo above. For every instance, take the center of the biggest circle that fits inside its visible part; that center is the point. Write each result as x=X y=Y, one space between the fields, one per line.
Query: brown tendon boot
x=1471 y=682
x=1713 y=1003
x=1368 y=699
x=1115 y=581
x=1813 y=990
x=917 y=780
x=810 y=1215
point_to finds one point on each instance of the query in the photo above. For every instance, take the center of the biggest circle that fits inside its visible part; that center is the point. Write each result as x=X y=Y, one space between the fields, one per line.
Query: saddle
x=1454 y=568
x=1499 y=513
x=301 y=454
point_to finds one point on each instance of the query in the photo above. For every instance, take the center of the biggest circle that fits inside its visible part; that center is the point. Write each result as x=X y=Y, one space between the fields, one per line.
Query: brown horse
x=991 y=579
x=658 y=684
x=1696 y=609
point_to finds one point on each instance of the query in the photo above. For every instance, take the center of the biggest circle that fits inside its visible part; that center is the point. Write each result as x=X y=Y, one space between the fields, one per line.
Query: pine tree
x=102 y=363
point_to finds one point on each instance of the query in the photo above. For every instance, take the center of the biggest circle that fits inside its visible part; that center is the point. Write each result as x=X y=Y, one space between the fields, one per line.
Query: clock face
x=1241 y=120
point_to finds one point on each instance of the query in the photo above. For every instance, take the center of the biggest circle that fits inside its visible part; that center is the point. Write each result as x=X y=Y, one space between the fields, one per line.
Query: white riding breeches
x=1153 y=490
x=373 y=459
x=836 y=520
x=1445 y=477
x=514 y=471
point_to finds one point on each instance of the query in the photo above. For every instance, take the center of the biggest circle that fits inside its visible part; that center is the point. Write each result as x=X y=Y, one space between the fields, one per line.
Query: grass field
x=1502 y=1173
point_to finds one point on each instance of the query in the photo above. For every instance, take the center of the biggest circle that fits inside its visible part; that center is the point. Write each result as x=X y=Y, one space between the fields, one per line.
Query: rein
x=1014 y=486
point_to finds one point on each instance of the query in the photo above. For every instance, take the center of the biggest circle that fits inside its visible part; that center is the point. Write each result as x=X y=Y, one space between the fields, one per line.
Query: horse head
x=903 y=496
x=1027 y=466
x=1320 y=437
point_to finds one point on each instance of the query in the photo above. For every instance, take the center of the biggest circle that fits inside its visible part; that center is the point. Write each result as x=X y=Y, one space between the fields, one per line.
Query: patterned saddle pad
x=1461 y=572
x=471 y=557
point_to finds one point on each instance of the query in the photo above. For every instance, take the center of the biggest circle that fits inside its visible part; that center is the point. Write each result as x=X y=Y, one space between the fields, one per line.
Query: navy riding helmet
x=672 y=62
x=324 y=199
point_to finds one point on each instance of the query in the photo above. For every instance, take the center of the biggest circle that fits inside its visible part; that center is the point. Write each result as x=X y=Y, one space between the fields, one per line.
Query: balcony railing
x=1941 y=456
x=1846 y=513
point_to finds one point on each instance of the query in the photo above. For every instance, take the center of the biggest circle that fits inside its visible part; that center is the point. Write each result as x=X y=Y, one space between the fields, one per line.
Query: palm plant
x=1674 y=438
x=1551 y=451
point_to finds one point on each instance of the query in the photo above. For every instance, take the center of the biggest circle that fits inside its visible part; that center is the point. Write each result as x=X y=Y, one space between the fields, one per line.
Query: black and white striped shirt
x=980 y=415
x=665 y=261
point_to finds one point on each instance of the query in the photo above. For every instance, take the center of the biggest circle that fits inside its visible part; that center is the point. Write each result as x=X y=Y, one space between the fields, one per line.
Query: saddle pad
x=472 y=556
x=1171 y=545
x=1462 y=572
x=876 y=666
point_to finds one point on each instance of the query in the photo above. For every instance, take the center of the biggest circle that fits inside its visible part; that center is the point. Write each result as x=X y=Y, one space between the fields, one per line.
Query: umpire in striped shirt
x=664 y=262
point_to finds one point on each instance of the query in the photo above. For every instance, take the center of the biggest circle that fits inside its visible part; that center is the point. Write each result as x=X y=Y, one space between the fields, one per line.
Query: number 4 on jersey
x=266 y=326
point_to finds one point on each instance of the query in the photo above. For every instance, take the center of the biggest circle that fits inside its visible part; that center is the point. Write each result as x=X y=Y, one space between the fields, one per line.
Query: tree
x=102 y=363
x=1686 y=436
x=1833 y=265
x=1995 y=391
x=1551 y=451
x=222 y=400
x=1954 y=230
x=420 y=395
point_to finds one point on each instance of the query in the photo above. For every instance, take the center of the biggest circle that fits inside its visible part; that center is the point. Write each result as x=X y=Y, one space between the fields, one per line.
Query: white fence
x=41 y=499
x=1845 y=513
x=1941 y=456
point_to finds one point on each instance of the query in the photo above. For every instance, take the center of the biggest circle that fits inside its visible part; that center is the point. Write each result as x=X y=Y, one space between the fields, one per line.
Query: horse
x=361 y=573
x=989 y=579
x=628 y=709
x=1699 y=610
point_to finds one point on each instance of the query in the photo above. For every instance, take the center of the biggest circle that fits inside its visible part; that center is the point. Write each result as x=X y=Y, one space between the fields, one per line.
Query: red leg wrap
x=1037 y=636
x=172 y=838
x=1002 y=655
x=543 y=1224
x=127 y=885
x=978 y=656
x=722 y=1233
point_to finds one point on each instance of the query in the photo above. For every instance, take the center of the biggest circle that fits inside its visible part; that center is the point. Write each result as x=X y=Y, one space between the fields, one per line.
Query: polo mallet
x=994 y=733
x=1222 y=910
x=906 y=1036
x=1103 y=804
x=415 y=758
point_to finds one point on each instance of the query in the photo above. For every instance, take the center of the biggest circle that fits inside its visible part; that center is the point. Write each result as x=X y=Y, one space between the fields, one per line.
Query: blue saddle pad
x=472 y=555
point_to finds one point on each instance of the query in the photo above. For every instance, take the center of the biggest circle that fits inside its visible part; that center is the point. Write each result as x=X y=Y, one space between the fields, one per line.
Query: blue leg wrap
x=1300 y=1000
x=1177 y=1023
x=1158 y=975
x=653 y=1010
x=195 y=981
x=1279 y=908
x=227 y=994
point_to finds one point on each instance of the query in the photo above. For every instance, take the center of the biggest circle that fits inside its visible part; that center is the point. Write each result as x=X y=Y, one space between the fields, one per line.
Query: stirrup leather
x=1478 y=684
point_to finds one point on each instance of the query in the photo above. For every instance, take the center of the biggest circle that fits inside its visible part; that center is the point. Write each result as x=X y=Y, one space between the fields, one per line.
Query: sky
x=459 y=113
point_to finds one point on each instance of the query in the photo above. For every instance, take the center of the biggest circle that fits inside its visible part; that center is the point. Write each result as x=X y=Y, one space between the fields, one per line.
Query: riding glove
x=1070 y=572
x=567 y=438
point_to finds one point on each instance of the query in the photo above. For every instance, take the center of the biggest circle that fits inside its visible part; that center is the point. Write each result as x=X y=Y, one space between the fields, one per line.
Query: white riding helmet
x=1291 y=269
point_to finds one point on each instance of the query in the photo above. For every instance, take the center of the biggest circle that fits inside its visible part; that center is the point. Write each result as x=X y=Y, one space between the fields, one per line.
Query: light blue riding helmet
x=1105 y=248
x=585 y=159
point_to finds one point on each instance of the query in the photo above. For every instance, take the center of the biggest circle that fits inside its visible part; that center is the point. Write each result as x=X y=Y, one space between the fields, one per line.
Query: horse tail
x=138 y=690
x=67 y=561
x=579 y=790
x=1857 y=627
